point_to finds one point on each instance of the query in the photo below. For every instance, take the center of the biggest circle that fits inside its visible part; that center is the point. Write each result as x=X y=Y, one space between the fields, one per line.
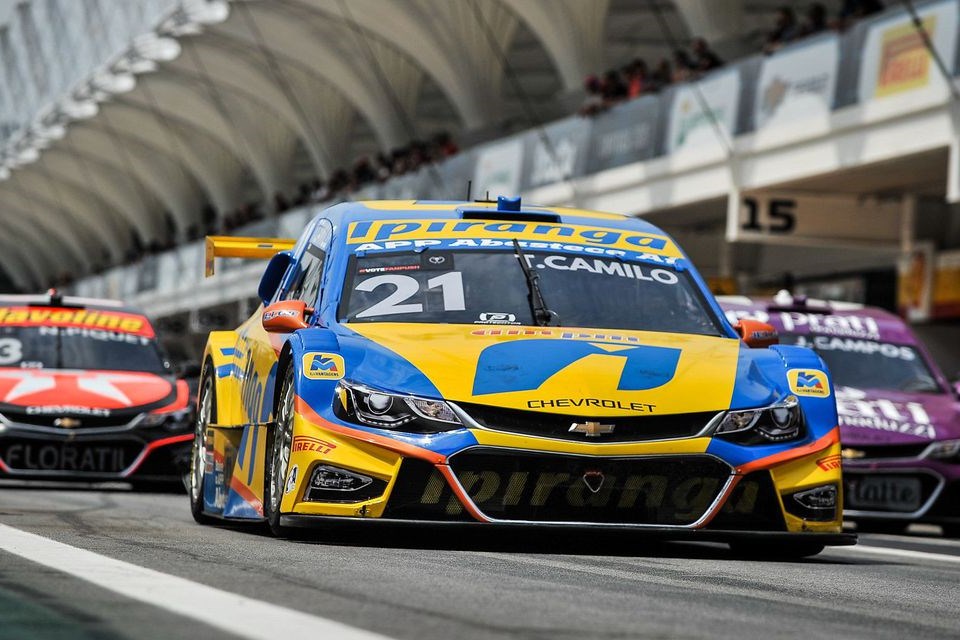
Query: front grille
x=870 y=452
x=752 y=506
x=43 y=456
x=420 y=492
x=625 y=429
x=115 y=419
x=660 y=490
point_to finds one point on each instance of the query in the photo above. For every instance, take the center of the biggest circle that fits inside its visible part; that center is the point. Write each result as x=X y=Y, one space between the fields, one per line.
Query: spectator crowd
x=637 y=78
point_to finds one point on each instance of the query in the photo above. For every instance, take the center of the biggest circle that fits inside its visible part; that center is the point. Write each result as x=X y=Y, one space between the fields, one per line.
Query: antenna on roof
x=469 y=189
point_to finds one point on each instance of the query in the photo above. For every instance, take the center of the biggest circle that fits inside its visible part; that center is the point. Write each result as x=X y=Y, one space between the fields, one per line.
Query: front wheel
x=206 y=410
x=278 y=454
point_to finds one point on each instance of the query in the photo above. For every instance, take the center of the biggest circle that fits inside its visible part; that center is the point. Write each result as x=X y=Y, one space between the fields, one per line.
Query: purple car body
x=899 y=416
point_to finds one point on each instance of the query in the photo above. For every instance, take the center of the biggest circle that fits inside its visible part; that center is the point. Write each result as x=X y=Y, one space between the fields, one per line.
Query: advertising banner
x=896 y=61
x=915 y=283
x=559 y=157
x=623 y=135
x=694 y=127
x=797 y=84
x=946 y=286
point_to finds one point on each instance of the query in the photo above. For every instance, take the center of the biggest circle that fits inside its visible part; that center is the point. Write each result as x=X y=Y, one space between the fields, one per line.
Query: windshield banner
x=84 y=318
x=406 y=234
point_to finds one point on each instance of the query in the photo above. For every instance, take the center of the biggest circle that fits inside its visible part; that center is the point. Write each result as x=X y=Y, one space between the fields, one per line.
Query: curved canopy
x=232 y=102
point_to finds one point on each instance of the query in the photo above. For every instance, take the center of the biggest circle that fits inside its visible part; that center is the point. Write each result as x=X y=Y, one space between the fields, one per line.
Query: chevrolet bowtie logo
x=852 y=454
x=591 y=429
x=66 y=423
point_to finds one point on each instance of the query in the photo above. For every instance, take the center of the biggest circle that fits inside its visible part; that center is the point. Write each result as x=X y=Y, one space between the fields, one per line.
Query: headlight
x=943 y=450
x=358 y=403
x=779 y=422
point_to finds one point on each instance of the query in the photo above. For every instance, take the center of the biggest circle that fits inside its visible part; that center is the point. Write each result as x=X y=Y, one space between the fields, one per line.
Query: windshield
x=869 y=364
x=78 y=348
x=489 y=287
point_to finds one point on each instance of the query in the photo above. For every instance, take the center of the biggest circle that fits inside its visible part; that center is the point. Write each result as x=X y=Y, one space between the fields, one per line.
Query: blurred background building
x=814 y=146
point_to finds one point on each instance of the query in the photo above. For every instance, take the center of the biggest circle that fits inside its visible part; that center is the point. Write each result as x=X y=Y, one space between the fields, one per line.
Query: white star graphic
x=96 y=384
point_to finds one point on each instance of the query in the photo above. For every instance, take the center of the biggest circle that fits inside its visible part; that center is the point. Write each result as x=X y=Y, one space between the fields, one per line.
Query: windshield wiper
x=542 y=315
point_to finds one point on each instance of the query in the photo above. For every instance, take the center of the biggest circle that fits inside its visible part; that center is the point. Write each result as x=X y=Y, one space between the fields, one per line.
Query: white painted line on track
x=245 y=617
x=903 y=553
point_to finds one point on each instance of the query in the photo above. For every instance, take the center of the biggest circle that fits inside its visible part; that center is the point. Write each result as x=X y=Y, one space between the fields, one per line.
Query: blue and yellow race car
x=487 y=362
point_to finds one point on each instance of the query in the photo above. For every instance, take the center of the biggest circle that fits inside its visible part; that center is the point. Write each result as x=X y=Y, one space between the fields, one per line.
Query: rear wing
x=237 y=247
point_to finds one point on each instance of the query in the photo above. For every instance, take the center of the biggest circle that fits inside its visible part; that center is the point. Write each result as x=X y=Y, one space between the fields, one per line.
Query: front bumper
x=153 y=455
x=661 y=486
x=301 y=521
x=935 y=483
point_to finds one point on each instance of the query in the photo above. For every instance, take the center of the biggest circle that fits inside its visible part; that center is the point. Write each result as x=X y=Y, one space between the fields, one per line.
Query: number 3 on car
x=509 y=366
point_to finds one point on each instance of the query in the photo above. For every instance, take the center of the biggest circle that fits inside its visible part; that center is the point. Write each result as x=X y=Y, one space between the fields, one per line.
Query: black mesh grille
x=661 y=490
x=115 y=419
x=552 y=425
x=752 y=506
x=422 y=493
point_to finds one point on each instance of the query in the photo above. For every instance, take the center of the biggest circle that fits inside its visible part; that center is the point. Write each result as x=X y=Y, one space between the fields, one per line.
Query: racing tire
x=206 y=411
x=277 y=462
x=775 y=550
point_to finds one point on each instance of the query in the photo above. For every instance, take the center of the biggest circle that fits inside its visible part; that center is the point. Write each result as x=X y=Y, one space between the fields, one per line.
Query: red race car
x=87 y=394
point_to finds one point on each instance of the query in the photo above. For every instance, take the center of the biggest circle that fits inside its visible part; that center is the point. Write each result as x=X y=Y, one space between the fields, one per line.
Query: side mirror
x=756 y=334
x=285 y=316
x=273 y=274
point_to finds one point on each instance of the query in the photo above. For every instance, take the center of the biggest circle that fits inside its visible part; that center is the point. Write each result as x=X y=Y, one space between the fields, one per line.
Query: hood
x=39 y=391
x=555 y=370
x=872 y=417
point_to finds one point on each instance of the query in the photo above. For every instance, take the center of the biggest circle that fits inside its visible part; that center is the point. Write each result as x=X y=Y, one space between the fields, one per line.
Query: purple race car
x=899 y=417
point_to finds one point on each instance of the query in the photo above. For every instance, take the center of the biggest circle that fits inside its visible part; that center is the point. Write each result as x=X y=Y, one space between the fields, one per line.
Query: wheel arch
x=301 y=343
x=220 y=354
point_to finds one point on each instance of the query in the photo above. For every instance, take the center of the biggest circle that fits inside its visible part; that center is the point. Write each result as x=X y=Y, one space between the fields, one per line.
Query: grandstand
x=828 y=160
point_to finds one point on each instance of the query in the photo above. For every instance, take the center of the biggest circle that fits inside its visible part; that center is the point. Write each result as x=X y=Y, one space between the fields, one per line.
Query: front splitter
x=661 y=533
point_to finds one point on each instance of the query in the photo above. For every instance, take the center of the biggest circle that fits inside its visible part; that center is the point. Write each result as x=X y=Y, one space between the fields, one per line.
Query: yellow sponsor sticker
x=394 y=234
x=808 y=382
x=323 y=366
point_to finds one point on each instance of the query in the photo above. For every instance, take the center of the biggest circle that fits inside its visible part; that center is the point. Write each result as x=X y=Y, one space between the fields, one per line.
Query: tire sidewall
x=272 y=516
x=206 y=379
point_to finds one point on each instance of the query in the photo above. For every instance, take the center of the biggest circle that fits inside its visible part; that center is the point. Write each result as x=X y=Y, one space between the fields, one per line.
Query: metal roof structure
x=222 y=102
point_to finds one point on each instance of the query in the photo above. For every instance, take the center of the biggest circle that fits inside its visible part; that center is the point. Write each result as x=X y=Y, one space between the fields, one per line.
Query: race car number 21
x=407 y=288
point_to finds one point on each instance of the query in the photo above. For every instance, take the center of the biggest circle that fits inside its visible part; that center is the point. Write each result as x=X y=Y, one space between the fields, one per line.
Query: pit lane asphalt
x=434 y=583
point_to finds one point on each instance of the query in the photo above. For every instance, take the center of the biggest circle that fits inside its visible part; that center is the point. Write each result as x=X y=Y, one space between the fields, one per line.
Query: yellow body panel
x=703 y=381
x=810 y=471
